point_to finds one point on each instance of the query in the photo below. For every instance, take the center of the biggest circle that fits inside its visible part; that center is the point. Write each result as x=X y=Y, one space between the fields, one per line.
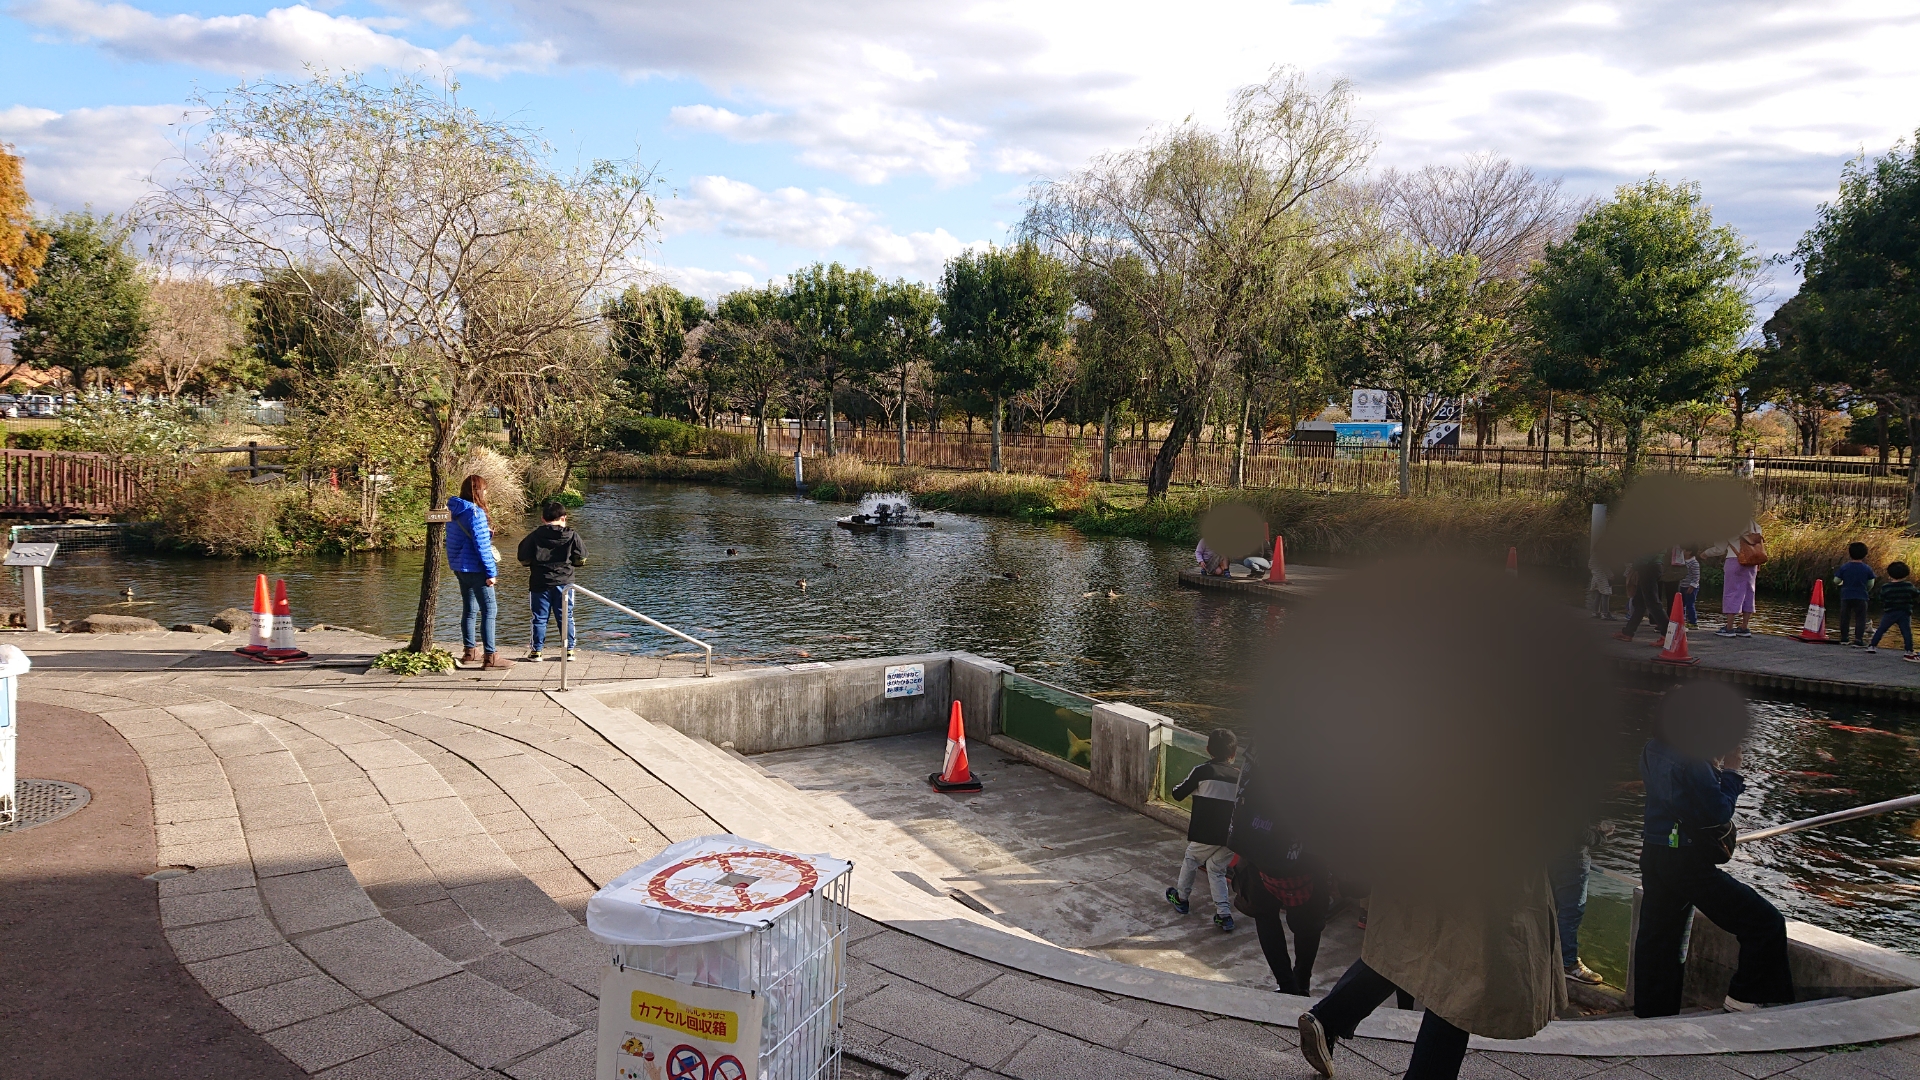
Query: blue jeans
x=477 y=603
x=1568 y=875
x=1900 y=617
x=549 y=602
x=1689 y=595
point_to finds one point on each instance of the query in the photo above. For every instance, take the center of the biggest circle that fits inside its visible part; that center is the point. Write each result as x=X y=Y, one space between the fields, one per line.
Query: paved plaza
x=389 y=880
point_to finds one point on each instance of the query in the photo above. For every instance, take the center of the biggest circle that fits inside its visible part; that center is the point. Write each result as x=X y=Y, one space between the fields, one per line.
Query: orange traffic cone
x=260 y=629
x=283 y=648
x=1513 y=561
x=1674 y=648
x=954 y=774
x=1815 y=629
x=1278 y=571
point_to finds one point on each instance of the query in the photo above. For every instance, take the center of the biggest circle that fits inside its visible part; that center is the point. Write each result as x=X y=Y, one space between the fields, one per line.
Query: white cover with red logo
x=708 y=888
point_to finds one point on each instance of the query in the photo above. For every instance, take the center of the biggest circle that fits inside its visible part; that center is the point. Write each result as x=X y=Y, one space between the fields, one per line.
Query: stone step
x=274 y=925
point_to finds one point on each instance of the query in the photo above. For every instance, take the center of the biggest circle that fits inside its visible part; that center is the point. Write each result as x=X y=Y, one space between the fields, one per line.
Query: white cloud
x=817 y=222
x=868 y=143
x=284 y=39
x=709 y=284
x=98 y=157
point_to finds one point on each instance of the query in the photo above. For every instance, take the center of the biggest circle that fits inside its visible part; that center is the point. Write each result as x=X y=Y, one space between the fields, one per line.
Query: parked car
x=42 y=405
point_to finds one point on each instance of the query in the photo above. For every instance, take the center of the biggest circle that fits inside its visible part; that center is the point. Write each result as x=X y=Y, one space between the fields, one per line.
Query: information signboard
x=907 y=680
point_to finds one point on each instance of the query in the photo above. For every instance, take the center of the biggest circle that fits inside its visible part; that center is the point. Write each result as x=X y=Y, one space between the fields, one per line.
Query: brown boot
x=471 y=656
x=496 y=662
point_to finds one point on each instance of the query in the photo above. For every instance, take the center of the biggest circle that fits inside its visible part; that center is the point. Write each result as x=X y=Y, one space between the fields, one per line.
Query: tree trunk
x=760 y=429
x=1160 y=476
x=999 y=415
x=1881 y=412
x=423 y=616
x=1406 y=458
x=1106 y=445
x=903 y=415
x=1632 y=424
x=1913 y=477
x=1240 y=438
x=830 y=381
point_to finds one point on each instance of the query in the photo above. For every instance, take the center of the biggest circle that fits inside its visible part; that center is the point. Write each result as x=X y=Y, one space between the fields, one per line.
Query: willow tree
x=473 y=264
x=1224 y=222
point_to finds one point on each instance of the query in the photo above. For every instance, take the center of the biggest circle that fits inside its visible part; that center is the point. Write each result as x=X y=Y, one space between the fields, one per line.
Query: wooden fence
x=48 y=483
x=1811 y=489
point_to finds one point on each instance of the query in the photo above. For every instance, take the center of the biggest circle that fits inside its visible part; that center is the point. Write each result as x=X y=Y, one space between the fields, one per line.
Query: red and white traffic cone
x=283 y=648
x=1278 y=571
x=1674 y=648
x=1815 y=629
x=260 y=627
x=954 y=775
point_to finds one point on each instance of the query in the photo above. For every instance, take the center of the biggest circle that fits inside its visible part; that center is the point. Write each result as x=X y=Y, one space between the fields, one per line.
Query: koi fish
x=1630 y=785
x=1824 y=755
x=1077 y=746
x=1858 y=730
x=1824 y=791
x=1804 y=774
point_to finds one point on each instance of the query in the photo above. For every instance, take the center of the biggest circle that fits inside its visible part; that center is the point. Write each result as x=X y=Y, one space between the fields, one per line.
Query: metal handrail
x=1837 y=816
x=566 y=621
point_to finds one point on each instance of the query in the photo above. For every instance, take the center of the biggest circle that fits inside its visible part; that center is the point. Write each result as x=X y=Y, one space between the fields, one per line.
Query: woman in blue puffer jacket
x=470 y=556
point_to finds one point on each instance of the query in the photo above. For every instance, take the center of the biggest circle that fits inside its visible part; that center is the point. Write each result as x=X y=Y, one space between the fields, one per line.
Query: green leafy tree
x=1419 y=328
x=999 y=308
x=353 y=419
x=1859 y=315
x=1792 y=373
x=1113 y=347
x=306 y=321
x=88 y=310
x=647 y=336
x=902 y=339
x=754 y=349
x=1644 y=306
x=103 y=422
x=831 y=310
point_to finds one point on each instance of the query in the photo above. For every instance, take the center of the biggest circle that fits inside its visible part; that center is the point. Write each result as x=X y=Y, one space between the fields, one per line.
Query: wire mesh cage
x=793 y=962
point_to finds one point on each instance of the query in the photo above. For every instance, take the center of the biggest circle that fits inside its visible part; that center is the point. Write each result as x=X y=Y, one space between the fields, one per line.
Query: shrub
x=657 y=435
x=506 y=495
x=46 y=438
x=212 y=513
x=434 y=661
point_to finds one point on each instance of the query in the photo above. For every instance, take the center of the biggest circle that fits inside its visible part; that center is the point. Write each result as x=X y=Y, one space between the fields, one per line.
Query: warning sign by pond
x=705 y=889
x=907 y=680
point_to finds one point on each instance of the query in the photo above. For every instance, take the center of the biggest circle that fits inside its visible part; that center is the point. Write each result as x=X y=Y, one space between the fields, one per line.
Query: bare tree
x=1223 y=222
x=1487 y=207
x=193 y=324
x=472 y=262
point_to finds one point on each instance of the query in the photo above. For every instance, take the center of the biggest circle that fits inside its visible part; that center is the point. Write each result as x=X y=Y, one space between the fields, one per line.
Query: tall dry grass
x=506 y=491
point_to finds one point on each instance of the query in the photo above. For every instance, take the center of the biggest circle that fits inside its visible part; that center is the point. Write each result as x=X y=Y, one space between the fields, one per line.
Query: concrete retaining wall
x=795 y=705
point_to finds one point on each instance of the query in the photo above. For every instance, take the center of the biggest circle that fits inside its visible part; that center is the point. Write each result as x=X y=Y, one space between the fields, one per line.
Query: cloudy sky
x=894 y=134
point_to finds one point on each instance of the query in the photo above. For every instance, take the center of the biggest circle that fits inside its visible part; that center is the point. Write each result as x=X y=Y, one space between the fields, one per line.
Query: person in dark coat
x=1278 y=879
x=550 y=553
x=1691 y=769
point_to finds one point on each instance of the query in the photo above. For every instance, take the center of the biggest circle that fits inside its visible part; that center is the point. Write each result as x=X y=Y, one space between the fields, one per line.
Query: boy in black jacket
x=1213 y=785
x=551 y=552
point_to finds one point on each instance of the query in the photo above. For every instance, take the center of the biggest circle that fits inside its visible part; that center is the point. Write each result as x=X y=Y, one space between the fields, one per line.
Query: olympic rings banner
x=653 y=1028
x=705 y=889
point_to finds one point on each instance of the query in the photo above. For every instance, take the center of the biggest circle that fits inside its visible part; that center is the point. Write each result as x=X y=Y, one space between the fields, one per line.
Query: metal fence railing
x=1856 y=489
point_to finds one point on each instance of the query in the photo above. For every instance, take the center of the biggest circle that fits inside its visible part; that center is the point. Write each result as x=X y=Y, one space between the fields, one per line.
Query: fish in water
x=1111 y=595
x=733 y=551
x=803 y=584
x=1630 y=785
x=1905 y=862
x=1824 y=791
x=1076 y=746
x=1824 y=755
x=1010 y=576
x=1858 y=730
x=831 y=565
x=1803 y=774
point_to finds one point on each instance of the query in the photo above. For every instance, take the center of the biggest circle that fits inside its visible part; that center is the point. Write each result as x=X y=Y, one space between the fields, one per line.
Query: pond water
x=1099 y=616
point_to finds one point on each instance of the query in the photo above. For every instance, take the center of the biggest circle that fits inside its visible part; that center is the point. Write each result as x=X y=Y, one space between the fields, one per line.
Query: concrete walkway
x=389 y=877
x=1776 y=662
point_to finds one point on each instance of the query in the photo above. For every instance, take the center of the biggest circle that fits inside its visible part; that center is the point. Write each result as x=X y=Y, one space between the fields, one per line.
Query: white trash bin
x=13 y=664
x=728 y=963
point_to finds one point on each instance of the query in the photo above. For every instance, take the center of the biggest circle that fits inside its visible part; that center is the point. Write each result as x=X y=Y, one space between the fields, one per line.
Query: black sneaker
x=1179 y=905
x=1314 y=1045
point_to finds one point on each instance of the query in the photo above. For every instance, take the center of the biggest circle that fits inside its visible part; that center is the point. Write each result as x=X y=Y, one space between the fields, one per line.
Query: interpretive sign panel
x=654 y=1028
x=907 y=680
x=31 y=555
